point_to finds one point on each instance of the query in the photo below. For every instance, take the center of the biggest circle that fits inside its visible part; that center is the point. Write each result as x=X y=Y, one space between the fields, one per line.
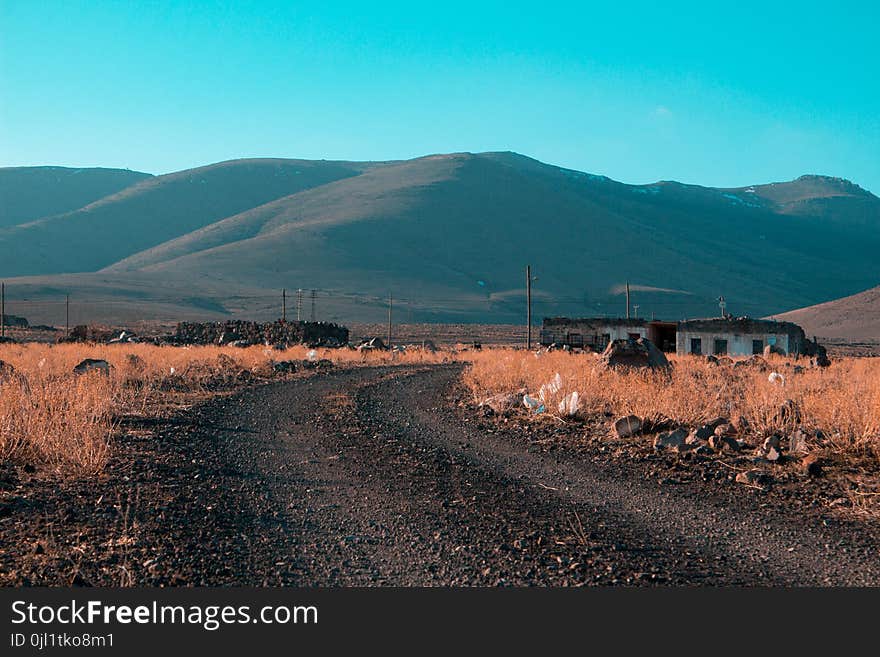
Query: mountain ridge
x=452 y=231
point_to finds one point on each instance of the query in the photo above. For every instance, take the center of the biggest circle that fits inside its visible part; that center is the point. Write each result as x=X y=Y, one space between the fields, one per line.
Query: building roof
x=739 y=325
x=603 y=321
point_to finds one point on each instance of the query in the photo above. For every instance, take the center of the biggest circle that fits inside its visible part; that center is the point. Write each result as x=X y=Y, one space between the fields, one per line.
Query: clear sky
x=712 y=93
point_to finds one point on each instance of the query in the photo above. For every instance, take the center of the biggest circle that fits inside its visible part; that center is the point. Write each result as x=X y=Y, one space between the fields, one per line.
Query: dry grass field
x=839 y=407
x=63 y=422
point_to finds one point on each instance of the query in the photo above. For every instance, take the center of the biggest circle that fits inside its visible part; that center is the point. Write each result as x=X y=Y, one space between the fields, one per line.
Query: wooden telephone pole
x=390 y=306
x=627 y=299
x=529 y=306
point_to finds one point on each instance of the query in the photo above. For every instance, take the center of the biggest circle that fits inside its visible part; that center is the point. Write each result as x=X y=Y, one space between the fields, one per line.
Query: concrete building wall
x=592 y=331
x=738 y=344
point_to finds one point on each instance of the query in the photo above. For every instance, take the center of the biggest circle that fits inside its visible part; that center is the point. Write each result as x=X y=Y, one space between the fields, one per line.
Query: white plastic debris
x=171 y=371
x=776 y=378
x=312 y=355
x=570 y=404
x=550 y=388
x=533 y=404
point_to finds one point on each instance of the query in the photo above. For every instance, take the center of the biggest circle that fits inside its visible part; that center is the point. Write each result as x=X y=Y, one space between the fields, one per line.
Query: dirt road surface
x=375 y=477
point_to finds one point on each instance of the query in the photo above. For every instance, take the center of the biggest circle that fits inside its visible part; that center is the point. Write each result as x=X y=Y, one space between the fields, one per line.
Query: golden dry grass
x=64 y=422
x=842 y=401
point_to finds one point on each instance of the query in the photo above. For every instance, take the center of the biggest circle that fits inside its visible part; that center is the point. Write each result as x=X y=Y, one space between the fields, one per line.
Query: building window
x=720 y=347
x=757 y=346
x=575 y=340
x=696 y=346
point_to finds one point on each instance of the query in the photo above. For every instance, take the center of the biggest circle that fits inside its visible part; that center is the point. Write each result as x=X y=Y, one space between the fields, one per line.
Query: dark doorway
x=663 y=335
x=697 y=346
x=720 y=347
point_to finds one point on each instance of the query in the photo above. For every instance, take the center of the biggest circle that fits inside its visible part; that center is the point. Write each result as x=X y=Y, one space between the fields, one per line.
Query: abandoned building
x=729 y=336
x=596 y=332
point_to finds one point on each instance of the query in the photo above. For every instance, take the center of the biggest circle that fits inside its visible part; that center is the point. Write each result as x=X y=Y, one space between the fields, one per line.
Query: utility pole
x=2 y=310
x=299 y=304
x=722 y=304
x=284 y=305
x=314 y=295
x=390 y=306
x=636 y=310
x=67 y=315
x=529 y=306
x=627 y=299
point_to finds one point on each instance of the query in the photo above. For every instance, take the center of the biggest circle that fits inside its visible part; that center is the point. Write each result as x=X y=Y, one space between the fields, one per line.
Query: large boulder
x=92 y=365
x=641 y=353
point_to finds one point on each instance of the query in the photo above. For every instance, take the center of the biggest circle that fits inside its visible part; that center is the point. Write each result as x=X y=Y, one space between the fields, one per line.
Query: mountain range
x=448 y=235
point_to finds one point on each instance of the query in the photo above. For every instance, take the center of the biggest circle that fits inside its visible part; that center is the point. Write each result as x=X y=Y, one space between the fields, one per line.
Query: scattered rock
x=285 y=366
x=243 y=333
x=93 y=364
x=797 y=443
x=754 y=478
x=696 y=438
x=671 y=439
x=500 y=404
x=771 y=443
x=629 y=353
x=631 y=425
x=754 y=362
x=812 y=464
x=724 y=429
x=322 y=364
x=721 y=442
x=773 y=454
x=706 y=430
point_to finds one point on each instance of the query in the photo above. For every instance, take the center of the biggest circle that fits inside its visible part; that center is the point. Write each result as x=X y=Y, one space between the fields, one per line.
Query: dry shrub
x=842 y=401
x=54 y=418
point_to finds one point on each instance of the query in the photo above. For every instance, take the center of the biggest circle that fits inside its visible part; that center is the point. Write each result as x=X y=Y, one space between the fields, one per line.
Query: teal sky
x=712 y=93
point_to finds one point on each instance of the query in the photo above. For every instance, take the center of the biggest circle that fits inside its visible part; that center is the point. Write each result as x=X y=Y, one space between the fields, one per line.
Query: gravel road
x=377 y=477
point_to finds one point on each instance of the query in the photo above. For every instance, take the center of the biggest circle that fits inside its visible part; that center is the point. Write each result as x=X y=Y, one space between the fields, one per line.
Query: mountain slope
x=463 y=225
x=855 y=316
x=29 y=193
x=154 y=211
x=450 y=236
